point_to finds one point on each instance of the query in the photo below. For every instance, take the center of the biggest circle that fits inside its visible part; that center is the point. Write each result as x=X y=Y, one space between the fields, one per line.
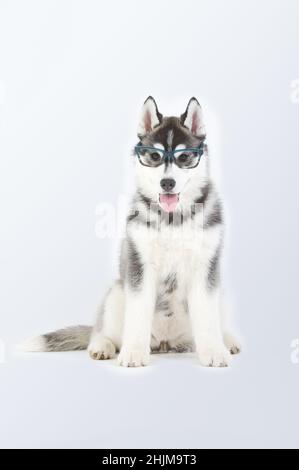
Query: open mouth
x=169 y=202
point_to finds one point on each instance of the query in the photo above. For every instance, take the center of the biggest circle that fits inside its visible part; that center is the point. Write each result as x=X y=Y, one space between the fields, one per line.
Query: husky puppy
x=168 y=296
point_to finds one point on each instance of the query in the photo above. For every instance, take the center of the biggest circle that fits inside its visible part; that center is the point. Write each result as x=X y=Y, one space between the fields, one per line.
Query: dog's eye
x=188 y=159
x=155 y=157
x=150 y=156
x=183 y=157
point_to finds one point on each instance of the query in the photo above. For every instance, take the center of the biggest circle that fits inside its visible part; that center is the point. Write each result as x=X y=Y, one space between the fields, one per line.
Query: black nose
x=167 y=184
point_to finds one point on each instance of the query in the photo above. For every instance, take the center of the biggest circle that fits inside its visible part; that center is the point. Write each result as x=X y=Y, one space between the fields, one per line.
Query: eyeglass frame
x=168 y=155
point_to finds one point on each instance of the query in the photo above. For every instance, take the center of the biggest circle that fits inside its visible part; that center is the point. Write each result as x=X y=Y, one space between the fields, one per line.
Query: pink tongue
x=169 y=202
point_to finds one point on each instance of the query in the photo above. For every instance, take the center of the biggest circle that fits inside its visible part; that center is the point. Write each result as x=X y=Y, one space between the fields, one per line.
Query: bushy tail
x=73 y=338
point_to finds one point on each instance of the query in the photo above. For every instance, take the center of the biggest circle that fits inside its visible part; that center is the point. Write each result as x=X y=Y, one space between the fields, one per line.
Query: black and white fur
x=168 y=296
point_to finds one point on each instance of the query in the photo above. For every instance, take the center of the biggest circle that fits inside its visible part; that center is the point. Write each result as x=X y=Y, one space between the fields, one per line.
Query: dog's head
x=171 y=163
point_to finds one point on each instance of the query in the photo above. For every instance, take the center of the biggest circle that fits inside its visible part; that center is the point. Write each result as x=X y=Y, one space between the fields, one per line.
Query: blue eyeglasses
x=183 y=158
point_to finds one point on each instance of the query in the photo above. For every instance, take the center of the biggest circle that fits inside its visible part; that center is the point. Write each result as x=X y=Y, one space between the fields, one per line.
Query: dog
x=168 y=296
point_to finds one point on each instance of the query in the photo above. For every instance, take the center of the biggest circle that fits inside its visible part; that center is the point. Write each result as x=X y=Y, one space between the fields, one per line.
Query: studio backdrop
x=73 y=78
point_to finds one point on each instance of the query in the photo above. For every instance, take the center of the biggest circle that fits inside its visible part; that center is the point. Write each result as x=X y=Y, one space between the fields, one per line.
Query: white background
x=73 y=75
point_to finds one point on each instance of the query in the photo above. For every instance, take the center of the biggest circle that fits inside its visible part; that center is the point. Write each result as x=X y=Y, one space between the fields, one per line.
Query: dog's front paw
x=214 y=356
x=133 y=357
x=101 y=347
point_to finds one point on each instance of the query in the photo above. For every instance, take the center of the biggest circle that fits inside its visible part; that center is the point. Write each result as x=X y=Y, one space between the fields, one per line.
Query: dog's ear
x=193 y=119
x=150 y=117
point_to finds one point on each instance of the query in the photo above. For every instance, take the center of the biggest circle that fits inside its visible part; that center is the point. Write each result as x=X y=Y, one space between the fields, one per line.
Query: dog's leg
x=204 y=308
x=140 y=304
x=106 y=335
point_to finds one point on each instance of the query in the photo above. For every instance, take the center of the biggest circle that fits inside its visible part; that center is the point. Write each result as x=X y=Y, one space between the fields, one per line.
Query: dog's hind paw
x=231 y=343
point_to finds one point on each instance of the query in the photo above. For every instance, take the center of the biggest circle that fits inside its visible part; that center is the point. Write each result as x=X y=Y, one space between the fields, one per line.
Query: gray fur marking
x=214 y=270
x=215 y=216
x=135 y=266
x=171 y=283
x=162 y=304
x=168 y=314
